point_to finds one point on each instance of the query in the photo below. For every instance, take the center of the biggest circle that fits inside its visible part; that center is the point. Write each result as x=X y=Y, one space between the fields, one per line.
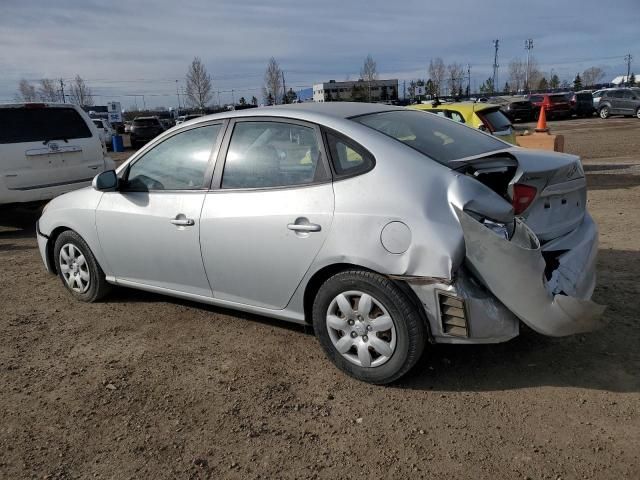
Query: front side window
x=272 y=154
x=435 y=137
x=178 y=163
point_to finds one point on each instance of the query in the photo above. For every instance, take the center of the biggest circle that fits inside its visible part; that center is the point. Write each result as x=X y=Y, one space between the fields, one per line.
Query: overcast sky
x=137 y=47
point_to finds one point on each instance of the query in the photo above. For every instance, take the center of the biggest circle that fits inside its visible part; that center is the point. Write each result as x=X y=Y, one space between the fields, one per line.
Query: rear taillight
x=523 y=196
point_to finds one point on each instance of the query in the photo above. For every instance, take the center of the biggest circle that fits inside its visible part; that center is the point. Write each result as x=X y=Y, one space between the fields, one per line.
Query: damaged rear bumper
x=514 y=271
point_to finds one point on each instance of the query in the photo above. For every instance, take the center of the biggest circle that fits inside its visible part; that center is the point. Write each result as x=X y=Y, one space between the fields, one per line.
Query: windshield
x=145 y=122
x=497 y=121
x=438 y=138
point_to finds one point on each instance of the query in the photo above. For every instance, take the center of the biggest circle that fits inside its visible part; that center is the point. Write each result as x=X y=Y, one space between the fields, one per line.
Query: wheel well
x=322 y=275
x=51 y=244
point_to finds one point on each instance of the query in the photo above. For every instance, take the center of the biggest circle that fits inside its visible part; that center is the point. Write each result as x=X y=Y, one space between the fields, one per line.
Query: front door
x=263 y=225
x=149 y=228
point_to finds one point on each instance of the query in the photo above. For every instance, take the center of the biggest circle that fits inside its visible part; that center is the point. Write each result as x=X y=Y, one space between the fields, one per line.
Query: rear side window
x=20 y=125
x=347 y=157
x=272 y=154
x=617 y=94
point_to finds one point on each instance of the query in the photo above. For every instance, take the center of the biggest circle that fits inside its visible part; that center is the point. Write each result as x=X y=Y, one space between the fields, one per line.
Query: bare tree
x=26 y=92
x=47 y=90
x=592 y=76
x=437 y=72
x=199 y=85
x=80 y=93
x=535 y=75
x=517 y=74
x=455 y=78
x=272 y=90
x=369 y=73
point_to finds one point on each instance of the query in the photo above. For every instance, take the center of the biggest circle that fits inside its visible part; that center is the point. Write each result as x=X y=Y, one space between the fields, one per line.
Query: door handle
x=181 y=221
x=304 y=227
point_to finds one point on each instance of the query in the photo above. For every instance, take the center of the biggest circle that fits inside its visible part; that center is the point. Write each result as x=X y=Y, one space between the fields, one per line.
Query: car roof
x=41 y=104
x=320 y=112
x=146 y=118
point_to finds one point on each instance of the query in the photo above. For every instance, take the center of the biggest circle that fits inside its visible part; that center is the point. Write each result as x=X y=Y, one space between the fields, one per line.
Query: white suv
x=47 y=149
x=105 y=130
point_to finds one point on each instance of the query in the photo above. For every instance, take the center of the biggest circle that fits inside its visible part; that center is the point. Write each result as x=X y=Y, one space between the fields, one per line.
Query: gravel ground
x=142 y=386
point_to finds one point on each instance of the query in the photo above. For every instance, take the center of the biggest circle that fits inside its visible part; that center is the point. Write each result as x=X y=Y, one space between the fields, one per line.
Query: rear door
x=269 y=212
x=629 y=102
x=617 y=101
x=45 y=146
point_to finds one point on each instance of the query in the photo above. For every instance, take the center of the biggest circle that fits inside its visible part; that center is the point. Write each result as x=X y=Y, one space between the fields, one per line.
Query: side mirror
x=105 y=181
x=483 y=128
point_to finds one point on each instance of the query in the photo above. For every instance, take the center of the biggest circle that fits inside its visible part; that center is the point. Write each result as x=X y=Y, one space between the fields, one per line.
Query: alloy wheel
x=361 y=329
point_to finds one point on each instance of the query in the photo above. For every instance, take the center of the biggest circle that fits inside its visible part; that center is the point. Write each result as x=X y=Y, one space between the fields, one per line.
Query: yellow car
x=484 y=116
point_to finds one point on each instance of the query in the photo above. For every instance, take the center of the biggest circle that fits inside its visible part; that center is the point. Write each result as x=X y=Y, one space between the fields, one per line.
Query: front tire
x=638 y=113
x=78 y=269
x=368 y=327
x=604 y=112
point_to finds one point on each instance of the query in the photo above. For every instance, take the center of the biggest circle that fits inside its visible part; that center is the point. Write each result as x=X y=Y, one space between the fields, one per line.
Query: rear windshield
x=145 y=122
x=584 y=96
x=497 y=121
x=438 y=138
x=557 y=98
x=20 y=125
x=535 y=98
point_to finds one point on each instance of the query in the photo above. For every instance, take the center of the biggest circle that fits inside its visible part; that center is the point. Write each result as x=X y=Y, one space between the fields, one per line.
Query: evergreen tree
x=577 y=83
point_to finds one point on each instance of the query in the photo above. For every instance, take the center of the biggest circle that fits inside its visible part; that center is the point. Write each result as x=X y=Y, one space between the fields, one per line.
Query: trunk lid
x=559 y=204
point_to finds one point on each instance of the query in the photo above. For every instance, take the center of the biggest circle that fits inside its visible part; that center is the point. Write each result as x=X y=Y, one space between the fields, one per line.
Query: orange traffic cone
x=542 y=120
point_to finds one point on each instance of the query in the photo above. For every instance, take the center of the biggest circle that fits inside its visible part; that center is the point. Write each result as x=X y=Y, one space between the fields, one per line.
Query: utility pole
x=233 y=98
x=528 y=45
x=496 y=43
x=628 y=58
x=284 y=89
x=62 y=91
x=468 y=80
x=178 y=94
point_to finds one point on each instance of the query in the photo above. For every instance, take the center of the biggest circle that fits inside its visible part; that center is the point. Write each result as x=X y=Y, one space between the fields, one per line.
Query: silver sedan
x=384 y=228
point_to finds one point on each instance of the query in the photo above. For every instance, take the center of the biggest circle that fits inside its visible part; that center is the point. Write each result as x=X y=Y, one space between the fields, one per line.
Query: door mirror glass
x=107 y=180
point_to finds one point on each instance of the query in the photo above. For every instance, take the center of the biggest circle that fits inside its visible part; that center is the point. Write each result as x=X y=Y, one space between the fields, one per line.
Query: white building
x=359 y=90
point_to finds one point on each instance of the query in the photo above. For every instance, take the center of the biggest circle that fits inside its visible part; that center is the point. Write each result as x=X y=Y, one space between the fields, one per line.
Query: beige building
x=359 y=90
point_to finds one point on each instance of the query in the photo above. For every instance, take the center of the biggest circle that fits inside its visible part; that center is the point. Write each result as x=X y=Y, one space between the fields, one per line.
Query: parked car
x=47 y=149
x=484 y=116
x=384 y=227
x=619 y=101
x=104 y=130
x=144 y=129
x=596 y=97
x=581 y=103
x=127 y=127
x=515 y=108
x=186 y=118
x=558 y=105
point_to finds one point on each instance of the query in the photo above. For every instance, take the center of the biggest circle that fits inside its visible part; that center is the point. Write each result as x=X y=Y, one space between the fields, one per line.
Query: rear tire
x=638 y=112
x=78 y=268
x=604 y=112
x=368 y=327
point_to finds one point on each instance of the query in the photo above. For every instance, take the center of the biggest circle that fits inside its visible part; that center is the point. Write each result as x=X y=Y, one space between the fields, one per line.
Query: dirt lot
x=142 y=386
